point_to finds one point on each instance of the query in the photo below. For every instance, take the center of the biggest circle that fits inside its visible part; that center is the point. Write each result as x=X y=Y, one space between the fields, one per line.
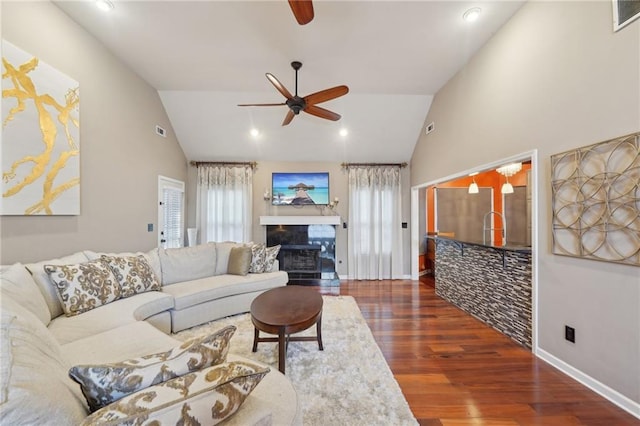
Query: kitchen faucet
x=491 y=228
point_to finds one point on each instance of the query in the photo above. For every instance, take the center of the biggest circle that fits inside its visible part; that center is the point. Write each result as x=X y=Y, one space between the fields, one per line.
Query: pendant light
x=473 y=187
x=507 y=188
x=508 y=170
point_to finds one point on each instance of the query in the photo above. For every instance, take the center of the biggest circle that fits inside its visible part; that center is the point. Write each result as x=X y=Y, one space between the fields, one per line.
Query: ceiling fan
x=302 y=10
x=308 y=103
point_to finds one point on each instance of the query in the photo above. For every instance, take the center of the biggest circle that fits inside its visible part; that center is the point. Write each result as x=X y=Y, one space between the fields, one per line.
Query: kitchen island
x=492 y=283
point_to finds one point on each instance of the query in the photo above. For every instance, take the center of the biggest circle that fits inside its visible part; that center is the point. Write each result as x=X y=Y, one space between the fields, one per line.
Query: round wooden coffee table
x=285 y=311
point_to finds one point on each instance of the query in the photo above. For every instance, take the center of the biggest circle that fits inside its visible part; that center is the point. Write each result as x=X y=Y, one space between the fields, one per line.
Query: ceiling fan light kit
x=307 y=103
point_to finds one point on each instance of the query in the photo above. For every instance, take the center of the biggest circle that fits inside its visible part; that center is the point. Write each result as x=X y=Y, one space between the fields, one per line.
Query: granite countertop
x=515 y=246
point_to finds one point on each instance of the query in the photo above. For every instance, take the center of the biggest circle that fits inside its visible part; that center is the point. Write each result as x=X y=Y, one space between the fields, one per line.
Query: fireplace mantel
x=299 y=220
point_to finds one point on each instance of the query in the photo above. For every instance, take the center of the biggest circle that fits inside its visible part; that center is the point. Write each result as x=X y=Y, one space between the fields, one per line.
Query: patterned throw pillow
x=84 y=286
x=133 y=273
x=271 y=254
x=103 y=384
x=258 y=258
x=205 y=397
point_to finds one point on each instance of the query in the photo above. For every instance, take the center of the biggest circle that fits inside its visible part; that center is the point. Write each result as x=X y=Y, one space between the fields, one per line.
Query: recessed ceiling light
x=105 y=5
x=255 y=133
x=344 y=132
x=472 y=14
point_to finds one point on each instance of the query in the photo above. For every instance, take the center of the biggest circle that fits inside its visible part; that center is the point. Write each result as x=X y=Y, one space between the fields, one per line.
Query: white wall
x=120 y=154
x=554 y=78
x=338 y=187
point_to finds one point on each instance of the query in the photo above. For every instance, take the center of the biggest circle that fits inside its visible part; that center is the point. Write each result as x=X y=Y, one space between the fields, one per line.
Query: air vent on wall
x=429 y=128
x=160 y=131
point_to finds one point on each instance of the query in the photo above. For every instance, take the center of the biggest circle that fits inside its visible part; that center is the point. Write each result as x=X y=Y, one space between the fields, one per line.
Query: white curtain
x=375 y=229
x=223 y=204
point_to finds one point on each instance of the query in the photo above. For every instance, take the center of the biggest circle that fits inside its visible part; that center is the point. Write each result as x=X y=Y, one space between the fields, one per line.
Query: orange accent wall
x=486 y=179
x=422 y=262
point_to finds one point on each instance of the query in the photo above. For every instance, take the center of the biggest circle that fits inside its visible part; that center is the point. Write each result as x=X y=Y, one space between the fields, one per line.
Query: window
x=170 y=212
x=223 y=203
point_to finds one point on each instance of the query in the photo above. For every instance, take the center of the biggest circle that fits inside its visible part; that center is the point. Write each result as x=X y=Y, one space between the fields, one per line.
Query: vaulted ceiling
x=205 y=57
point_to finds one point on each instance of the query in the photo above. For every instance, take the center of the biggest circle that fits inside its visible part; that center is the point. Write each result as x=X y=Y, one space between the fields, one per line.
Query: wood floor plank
x=456 y=371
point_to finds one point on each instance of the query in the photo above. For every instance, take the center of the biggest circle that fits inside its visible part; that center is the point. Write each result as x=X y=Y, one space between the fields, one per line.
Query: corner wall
x=554 y=78
x=120 y=154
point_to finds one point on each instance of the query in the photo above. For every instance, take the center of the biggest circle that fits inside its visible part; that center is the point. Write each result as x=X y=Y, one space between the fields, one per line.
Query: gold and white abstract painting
x=40 y=148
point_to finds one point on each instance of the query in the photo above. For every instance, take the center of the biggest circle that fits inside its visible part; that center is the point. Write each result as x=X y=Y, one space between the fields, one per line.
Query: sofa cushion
x=113 y=315
x=239 y=261
x=36 y=389
x=194 y=292
x=84 y=286
x=204 y=397
x=187 y=263
x=223 y=251
x=48 y=290
x=134 y=274
x=152 y=256
x=16 y=282
x=103 y=384
x=119 y=343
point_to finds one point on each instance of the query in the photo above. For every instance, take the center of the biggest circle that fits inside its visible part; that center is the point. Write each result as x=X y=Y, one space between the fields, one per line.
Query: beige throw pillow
x=134 y=274
x=239 y=261
x=205 y=397
x=103 y=384
x=84 y=286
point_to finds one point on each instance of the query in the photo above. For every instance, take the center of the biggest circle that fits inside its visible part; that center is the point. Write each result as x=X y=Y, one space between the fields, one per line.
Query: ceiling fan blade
x=326 y=95
x=302 y=10
x=322 y=113
x=288 y=118
x=262 y=104
x=279 y=86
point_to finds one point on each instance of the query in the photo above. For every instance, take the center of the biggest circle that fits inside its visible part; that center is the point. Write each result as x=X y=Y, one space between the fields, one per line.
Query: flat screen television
x=298 y=189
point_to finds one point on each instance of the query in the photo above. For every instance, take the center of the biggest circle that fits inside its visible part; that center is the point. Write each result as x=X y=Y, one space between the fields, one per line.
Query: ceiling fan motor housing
x=296 y=104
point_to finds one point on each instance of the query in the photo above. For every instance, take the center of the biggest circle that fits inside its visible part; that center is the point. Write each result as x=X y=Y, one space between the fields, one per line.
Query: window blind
x=172 y=206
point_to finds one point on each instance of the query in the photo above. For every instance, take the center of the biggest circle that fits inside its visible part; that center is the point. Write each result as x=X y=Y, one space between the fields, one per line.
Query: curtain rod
x=347 y=165
x=253 y=164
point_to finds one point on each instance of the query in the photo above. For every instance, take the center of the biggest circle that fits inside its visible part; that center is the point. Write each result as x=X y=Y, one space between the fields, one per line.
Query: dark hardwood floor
x=454 y=370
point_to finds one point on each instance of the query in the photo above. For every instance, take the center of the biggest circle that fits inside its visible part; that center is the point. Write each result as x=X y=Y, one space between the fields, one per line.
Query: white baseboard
x=348 y=277
x=603 y=390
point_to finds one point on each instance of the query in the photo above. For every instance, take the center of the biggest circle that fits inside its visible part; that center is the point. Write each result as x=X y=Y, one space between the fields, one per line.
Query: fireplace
x=301 y=260
x=307 y=252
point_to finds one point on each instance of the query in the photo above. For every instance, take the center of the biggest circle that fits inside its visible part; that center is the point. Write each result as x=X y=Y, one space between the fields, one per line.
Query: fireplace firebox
x=307 y=252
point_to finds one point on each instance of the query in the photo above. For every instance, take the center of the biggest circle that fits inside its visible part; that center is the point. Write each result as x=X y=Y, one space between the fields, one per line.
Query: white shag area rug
x=349 y=383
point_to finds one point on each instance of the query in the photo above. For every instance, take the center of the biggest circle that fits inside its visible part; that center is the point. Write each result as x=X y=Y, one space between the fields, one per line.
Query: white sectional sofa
x=40 y=343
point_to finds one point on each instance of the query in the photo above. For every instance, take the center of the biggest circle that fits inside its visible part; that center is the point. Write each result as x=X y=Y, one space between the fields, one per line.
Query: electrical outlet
x=570 y=334
x=160 y=131
x=149 y=227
